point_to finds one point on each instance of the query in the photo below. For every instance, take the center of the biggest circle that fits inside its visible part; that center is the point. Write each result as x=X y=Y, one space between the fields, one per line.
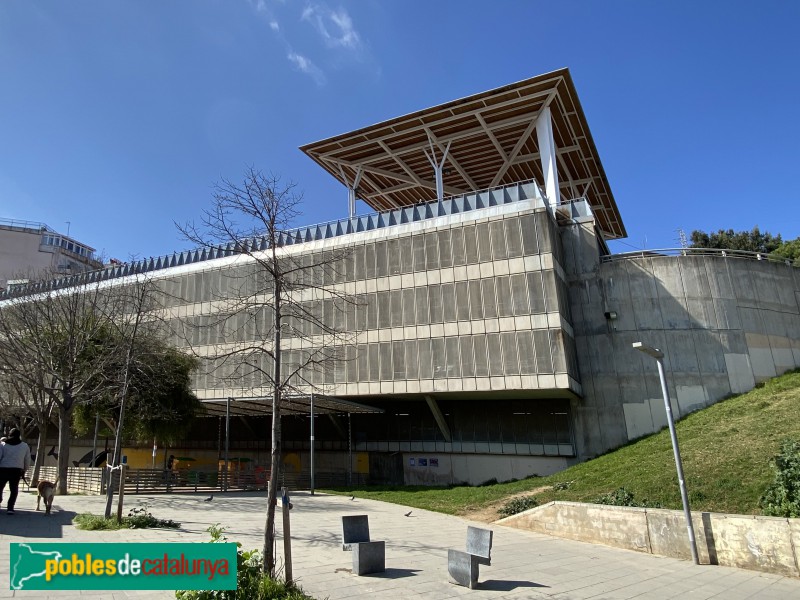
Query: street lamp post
x=659 y=356
x=312 y=444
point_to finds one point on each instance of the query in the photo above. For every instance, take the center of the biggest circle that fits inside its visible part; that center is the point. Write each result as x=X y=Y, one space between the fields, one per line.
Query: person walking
x=15 y=458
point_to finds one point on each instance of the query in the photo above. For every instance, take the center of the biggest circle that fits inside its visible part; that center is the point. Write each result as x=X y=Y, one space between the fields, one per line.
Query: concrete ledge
x=768 y=544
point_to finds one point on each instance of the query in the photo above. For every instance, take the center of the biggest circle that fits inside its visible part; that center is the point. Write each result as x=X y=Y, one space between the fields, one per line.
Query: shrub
x=138 y=517
x=782 y=497
x=518 y=505
x=622 y=497
x=251 y=582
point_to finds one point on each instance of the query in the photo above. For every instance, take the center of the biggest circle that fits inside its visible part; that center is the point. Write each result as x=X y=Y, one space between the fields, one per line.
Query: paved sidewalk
x=524 y=565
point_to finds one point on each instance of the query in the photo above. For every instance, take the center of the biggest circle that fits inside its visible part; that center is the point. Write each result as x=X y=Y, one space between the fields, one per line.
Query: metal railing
x=715 y=252
x=22 y=224
x=93 y=480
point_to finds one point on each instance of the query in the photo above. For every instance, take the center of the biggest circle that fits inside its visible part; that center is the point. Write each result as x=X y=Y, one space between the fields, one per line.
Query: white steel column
x=547 y=152
x=351 y=190
x=437 y=167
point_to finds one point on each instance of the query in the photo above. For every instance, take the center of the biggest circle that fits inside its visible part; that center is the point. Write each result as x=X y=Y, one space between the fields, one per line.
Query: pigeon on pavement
x=408 y=514
x=209 y=499
x=352 y=498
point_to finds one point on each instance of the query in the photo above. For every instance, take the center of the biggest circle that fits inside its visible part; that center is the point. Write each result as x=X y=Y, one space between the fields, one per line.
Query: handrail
x=718 y=252
x=22 y=224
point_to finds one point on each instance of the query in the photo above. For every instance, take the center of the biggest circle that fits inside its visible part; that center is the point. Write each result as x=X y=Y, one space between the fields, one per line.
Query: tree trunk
x=275 y=458
x=41 y=446
x=115 y=461
x=64 y=433
x=274 y=478
x=116 y=458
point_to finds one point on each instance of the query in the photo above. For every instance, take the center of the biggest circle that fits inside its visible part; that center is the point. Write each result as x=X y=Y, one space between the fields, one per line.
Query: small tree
x=263 y=302
x=161 y=404
x=135 y=322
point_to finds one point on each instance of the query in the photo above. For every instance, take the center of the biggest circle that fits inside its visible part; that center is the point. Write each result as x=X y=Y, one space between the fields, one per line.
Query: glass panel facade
x=526 y=427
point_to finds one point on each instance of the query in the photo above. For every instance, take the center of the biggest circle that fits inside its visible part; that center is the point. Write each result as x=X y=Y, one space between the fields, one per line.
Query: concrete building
x=28 y=248
x=493 y=327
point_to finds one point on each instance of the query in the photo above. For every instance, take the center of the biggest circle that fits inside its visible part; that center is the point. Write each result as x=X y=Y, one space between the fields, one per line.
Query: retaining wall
x=768 y=544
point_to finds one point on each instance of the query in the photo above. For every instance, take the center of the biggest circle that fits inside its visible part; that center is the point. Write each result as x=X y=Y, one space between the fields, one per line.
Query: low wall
x=768 y=544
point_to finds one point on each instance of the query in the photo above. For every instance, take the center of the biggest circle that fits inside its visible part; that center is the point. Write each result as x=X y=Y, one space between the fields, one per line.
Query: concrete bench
x=368 y=556
x=463 y=566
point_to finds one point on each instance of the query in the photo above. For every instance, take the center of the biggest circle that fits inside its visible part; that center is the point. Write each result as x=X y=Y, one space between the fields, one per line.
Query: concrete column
x=439 y=417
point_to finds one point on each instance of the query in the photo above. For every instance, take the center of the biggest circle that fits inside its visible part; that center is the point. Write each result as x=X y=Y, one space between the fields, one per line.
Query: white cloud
x=306 y=66
x=349 y=36
x=335 y=27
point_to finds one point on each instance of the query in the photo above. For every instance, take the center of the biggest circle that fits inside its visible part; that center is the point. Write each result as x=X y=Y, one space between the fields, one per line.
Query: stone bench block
x=369 y=557
x=355 y=530
x=463 y=568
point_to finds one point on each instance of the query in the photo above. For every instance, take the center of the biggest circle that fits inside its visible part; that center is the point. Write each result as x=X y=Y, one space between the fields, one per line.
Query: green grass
x=726 y=451
x=450 y=500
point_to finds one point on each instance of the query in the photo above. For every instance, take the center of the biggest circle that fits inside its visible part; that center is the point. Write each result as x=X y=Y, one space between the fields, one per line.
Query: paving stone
x=524 y=564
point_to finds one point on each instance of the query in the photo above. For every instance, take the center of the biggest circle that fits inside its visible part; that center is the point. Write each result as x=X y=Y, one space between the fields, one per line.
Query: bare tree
x=135 y=319
x=58 y=331
x=26 y=396
x=271 y=292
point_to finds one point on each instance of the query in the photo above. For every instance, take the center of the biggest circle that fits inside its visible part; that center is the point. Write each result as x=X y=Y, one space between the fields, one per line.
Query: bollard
x=287 y=536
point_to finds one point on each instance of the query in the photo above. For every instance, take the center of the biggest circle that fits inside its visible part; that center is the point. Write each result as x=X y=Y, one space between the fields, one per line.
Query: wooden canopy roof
x=493 y=142
x=290 y=405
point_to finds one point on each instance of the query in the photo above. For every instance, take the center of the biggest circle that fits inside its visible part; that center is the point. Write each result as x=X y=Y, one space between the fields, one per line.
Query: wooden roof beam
x=423 y=143
x=517 y=148
x=398 y=176
x=400 y=162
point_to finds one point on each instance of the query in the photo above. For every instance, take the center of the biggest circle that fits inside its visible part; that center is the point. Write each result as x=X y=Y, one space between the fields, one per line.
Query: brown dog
x=47 y=490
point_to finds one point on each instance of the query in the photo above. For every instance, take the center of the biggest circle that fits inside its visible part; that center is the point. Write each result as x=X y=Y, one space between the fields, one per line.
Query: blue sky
x=119 y=116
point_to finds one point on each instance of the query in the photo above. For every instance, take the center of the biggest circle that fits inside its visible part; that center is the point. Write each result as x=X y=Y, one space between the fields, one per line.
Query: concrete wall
x=724 y=324
x=24 y=255
x=766 y=544
x=19 y=254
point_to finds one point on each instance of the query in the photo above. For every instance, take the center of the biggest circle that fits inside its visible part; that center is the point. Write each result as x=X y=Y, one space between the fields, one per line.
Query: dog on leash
x=47 y=490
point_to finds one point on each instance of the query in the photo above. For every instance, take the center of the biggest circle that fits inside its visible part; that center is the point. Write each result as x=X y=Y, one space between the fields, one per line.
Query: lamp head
x=649 y=350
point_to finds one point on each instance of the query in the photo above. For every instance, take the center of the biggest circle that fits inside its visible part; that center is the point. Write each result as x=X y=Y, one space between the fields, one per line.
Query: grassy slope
x=726 y=450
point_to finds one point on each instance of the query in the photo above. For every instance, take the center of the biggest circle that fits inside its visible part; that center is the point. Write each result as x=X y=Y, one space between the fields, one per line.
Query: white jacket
x=15 y=455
